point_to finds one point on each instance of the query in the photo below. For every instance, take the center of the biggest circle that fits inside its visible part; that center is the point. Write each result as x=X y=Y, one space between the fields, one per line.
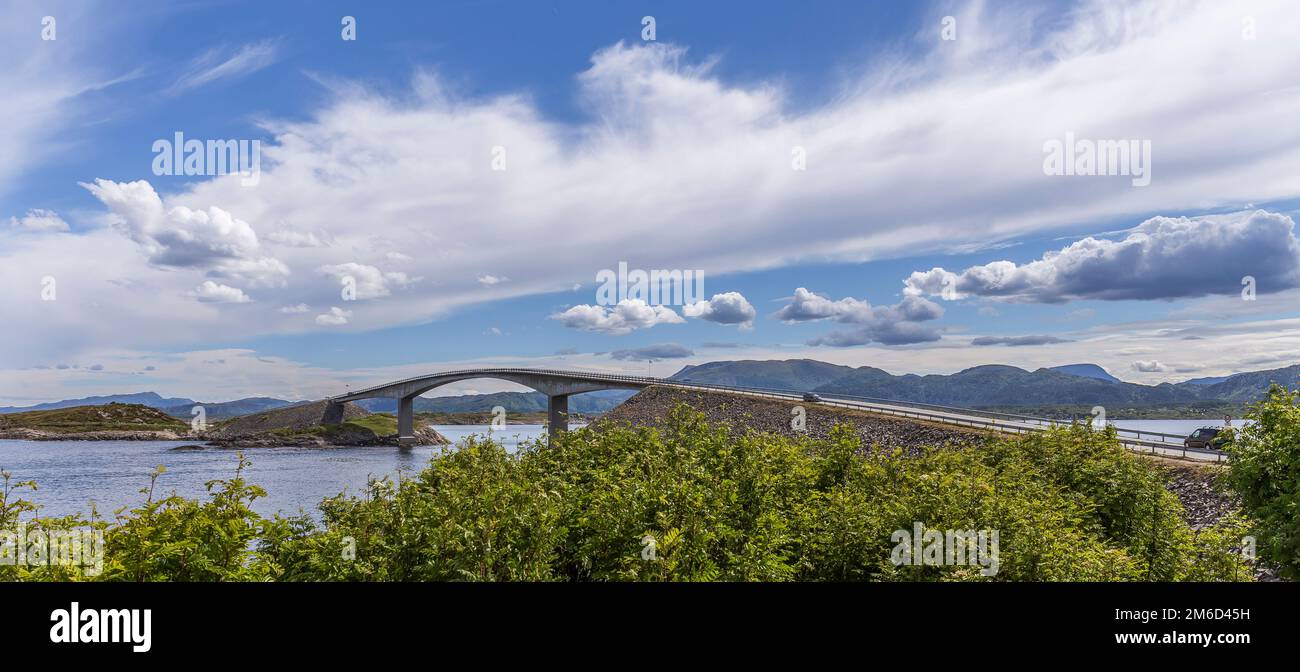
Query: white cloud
x=39 y=220
x=728 y=308
x=1161 y=258
x=889 y=325
x=295 y=309
x=335 y=317
x=487 y=279
x=295 y=238
x=1149 y=366
x=372 y=172
x=213 y=292
x=224 y=63
x=624 y=318
x=209 y=238
x=370 y=282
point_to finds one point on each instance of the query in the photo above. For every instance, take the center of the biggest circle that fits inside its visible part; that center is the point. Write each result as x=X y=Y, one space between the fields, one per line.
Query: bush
x=692 y=502
x=1264 y=468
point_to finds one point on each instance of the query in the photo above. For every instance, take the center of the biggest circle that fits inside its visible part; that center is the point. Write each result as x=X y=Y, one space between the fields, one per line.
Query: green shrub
x=690 y=502
x=1264 y=468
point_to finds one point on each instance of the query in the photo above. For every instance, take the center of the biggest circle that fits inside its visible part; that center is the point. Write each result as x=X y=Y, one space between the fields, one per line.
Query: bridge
x=559 y=385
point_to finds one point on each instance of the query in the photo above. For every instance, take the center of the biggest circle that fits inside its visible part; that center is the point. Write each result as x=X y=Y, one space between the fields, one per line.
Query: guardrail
x=989 y=420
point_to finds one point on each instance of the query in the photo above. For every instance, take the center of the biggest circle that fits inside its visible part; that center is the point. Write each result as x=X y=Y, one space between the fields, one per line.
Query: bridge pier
x=557 y=414
x=406 y=421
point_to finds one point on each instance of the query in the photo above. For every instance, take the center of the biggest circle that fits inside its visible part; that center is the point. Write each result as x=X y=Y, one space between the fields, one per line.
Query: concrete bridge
x=558 y=386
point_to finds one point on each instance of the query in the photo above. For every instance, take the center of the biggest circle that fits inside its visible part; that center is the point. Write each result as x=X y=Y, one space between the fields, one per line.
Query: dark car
x=812 y=397
x=1205 y=437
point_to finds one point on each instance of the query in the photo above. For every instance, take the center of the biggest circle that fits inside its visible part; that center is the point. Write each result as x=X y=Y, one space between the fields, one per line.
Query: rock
x=650 y=408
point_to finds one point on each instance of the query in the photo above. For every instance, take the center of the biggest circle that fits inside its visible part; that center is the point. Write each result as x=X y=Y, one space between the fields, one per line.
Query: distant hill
x=84 y=421
x=220 y=410
x=1246 y=387
x=178 y=407
x=150 y=399
x=1087 y=371
x=985 y=386
x=1205 y=381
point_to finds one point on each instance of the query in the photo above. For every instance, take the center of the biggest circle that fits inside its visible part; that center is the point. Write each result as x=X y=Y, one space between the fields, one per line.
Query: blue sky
x=924 y=169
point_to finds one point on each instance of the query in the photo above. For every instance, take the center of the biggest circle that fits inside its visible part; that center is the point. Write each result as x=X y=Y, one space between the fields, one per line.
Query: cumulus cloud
x=214 y=292
x=335 y=317
x=728 y=308
x=370 y=282
x=487 y=279
x=182 y=237
x=1161 y=258
x=652 y=352
x=1018 y=340
x=1149 y=366
x=39 y=220
x=295 y=309
x=624 y=318
x=889 y=325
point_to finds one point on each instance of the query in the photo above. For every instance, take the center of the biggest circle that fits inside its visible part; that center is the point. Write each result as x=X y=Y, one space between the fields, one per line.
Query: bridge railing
x=1145 y=441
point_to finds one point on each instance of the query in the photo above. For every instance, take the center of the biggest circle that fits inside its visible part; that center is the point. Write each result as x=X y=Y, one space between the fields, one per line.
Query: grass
x=109 y=417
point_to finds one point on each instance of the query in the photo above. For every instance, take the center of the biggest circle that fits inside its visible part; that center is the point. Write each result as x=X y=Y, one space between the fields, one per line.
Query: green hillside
x=113 y=417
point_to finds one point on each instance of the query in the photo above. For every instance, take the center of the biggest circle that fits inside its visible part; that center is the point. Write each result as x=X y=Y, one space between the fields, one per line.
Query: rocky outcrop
x=296 y=417
x=651 y=407
x=424 y=436
x=29 y=434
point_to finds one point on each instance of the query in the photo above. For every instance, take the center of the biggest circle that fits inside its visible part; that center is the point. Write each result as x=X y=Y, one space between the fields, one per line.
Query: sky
x=920 y=187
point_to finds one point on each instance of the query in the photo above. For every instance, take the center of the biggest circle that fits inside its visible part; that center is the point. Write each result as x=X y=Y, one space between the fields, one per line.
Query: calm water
x=1180 y=427
x=71 y=473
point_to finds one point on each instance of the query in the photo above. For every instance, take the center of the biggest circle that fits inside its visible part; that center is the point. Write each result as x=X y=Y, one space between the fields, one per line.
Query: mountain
x=1205 y=381
x=150 y=399
x=799 y=374
x=1246 y=387
x=513 y=402
x=218 y=410
x=1087 y=371
x=985 y=386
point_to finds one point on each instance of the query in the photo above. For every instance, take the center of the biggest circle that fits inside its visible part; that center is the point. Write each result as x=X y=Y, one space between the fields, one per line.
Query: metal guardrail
x=1006 y=422
x=1156 y=444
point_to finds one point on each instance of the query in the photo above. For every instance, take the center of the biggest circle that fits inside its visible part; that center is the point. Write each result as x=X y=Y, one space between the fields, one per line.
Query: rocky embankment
x=1203 y=503
x=651 y=407
x=29 y=434
x=315 y=424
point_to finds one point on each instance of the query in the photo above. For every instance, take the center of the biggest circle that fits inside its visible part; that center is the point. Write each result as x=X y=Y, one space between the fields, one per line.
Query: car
x=1205 y=438
x=811 y=397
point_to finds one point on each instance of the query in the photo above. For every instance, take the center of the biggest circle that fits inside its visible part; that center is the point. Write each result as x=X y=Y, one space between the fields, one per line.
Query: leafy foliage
x=1264 y=469
x=689 y=502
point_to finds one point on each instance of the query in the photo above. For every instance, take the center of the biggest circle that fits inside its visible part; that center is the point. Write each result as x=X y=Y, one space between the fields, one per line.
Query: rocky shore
x=650 y=408
x=29 y=434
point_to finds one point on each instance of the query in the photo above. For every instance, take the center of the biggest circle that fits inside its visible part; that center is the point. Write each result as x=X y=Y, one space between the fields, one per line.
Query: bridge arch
x=558 y=386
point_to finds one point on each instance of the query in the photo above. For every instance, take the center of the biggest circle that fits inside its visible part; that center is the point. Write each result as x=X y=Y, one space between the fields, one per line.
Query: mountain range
x=990 y=385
